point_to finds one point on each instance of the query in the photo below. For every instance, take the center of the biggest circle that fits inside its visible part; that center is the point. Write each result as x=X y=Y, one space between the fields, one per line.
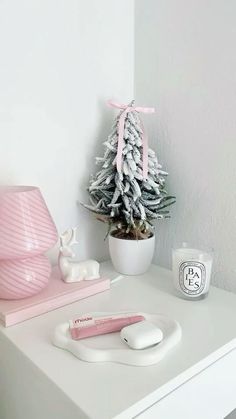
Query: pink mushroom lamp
x=27 y=231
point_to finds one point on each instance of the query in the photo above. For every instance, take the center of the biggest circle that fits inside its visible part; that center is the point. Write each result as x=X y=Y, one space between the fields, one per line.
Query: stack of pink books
x=57 y=294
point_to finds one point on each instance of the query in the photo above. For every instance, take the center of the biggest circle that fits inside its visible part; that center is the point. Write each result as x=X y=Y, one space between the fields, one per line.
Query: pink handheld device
x=84 y=327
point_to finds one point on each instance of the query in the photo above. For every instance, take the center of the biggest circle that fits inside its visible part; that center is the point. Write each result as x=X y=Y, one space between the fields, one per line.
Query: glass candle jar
x=191 y=271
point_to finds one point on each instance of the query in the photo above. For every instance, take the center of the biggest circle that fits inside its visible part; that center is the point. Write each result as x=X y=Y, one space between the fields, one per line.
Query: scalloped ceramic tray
x=110 y=347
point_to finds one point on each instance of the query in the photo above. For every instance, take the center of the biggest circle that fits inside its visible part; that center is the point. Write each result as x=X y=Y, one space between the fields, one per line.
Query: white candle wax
x=192 y=271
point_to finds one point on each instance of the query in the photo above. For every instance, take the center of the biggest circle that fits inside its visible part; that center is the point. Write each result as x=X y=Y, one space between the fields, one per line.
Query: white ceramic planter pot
x=131 y=257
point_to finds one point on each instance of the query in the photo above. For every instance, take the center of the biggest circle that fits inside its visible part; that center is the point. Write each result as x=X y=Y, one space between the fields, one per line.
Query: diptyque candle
x=191 y=271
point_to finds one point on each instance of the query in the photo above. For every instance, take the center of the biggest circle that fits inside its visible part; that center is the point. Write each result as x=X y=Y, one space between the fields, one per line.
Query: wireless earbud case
x=141 y=335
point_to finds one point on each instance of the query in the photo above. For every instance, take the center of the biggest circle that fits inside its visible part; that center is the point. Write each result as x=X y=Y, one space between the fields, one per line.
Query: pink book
x=57 y=294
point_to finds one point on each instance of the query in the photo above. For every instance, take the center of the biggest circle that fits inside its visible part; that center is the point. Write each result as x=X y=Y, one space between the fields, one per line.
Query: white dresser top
x=105 y=391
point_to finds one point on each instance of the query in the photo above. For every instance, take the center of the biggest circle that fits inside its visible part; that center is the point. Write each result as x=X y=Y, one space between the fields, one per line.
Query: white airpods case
x=141 y=335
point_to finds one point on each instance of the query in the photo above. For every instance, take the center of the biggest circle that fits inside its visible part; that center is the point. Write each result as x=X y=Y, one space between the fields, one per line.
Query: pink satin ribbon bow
x=121 y=125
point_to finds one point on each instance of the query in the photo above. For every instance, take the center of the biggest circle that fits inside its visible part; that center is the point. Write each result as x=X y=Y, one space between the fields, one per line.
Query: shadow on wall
x=94 y=238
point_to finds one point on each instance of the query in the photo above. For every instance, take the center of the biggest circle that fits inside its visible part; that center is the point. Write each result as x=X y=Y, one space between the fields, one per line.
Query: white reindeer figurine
x=74 y=271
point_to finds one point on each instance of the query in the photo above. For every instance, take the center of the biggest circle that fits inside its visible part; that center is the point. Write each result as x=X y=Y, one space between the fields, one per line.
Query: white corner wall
x=60 y=61
x=186 y=66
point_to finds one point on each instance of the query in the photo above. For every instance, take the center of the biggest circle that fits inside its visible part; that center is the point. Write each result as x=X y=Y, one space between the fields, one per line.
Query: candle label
x=192 y=277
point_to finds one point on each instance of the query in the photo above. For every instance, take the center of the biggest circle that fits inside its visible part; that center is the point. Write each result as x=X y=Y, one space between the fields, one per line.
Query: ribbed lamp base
x=21 y=278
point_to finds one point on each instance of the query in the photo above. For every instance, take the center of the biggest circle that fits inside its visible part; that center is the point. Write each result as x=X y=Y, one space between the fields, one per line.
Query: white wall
x=60 y=61
x=186 y=67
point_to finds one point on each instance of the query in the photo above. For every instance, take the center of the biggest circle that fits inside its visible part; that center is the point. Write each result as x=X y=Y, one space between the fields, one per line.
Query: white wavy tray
x=111 y=348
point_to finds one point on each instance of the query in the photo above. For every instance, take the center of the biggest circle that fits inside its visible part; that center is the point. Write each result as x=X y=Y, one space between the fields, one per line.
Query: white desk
x=40 y=381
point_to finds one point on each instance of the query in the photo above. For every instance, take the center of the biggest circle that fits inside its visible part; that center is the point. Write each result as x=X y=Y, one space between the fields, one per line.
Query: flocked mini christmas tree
x=129 y=189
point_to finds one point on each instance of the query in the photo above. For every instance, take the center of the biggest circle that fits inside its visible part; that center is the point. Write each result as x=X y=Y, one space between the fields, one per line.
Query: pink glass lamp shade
x=26 y=226
x=26 y=232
